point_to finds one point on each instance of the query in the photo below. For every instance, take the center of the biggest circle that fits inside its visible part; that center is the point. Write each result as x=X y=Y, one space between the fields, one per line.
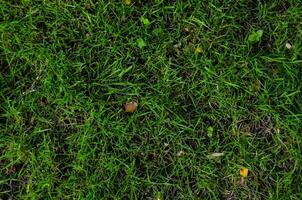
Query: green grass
x=206 y=81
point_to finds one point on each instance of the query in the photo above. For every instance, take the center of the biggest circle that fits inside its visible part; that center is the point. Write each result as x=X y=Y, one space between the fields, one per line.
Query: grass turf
x=205 y=80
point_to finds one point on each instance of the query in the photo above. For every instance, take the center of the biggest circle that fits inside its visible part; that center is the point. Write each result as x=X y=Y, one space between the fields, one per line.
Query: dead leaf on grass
x=244 y=172
x=198 y=50
x=288 y=45
x=181 y=153
x=127 y=2
x=130 y=107
x=215 y=155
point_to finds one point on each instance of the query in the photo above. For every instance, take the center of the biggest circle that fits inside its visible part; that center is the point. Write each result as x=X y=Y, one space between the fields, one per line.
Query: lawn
x=217 y=83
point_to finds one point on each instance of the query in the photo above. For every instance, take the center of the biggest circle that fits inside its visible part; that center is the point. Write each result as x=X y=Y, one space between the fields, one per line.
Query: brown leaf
x=130 y=107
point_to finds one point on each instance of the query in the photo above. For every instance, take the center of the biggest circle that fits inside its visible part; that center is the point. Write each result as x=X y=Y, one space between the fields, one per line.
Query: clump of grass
x=204 y=88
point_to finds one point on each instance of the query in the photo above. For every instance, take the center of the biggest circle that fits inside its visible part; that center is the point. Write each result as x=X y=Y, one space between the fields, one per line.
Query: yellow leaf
x=244 y=172
x=127 y=2
x=198 y=50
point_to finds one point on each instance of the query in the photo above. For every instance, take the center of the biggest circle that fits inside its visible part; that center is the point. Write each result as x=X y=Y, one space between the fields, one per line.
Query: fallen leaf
x=288 y=45
x=130 y=107
x=180 y=153
x=198 y=50
x=214 y=155
x=127 y=2
x=244 y=172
